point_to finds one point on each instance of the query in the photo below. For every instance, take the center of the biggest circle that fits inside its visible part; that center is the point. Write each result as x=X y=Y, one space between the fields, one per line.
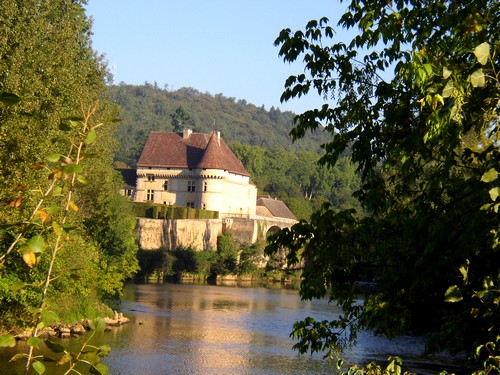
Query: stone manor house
x=197 y=170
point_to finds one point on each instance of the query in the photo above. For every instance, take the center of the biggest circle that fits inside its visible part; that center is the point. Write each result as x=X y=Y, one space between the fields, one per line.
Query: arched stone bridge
x=255 y=228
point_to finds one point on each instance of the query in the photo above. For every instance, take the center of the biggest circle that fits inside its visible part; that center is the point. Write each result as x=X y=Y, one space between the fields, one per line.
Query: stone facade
x=195 y=170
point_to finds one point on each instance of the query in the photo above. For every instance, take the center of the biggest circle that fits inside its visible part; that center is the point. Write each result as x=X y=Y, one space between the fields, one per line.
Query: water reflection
x=205 y=329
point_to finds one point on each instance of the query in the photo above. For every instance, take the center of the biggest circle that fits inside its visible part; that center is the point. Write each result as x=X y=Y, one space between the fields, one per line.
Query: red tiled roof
x=198 y=150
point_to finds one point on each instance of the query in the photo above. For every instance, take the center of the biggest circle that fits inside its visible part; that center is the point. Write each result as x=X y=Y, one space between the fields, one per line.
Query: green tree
x=181 y=120
x=415 y=100
x=227 y=255
x=47 y=60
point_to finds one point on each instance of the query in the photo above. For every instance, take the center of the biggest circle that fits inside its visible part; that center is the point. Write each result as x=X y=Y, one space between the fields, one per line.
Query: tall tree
x=46 y=59
x=415 y=99
x=181 y=120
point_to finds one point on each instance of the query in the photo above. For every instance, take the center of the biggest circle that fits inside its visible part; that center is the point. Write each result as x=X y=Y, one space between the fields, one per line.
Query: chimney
x=217 y=134
x=186 y=133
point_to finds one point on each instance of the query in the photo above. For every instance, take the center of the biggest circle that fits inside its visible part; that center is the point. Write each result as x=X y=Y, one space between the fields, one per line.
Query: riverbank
x=67 y=330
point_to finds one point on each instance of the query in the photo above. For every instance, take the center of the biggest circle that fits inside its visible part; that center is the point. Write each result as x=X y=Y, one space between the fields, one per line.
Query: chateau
x=195 y=170
x=200 y=171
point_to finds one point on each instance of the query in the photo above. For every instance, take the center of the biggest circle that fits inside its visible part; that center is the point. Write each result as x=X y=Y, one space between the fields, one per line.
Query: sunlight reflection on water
x=205 y=329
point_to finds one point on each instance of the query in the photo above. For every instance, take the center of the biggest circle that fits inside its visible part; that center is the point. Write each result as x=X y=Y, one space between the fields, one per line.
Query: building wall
x=209 y=189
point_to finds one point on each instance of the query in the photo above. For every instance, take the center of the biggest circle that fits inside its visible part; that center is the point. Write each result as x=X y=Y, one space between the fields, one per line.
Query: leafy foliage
x=425 y=137
x=298 y=180
x=57 y=261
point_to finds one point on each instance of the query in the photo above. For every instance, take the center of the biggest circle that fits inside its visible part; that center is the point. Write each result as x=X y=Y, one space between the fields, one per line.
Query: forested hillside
x=148 y=108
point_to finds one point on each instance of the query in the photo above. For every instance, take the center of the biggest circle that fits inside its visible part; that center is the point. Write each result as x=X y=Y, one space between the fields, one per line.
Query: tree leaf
x=56 y=228
x=29 y=259
x=39 y=367
x=36 y=244
x=17 y=357
x=55 y=347
x=91 y=137
x=33 y=341
x=9 y=98
x=72 y=206
x=446 y=72
x=17 y=202
x=91 y=357
x=64 y=126
x=104 y=350
x=453 y=294
x=44 y=216
x=100 y=369
x=464 y=270
x=494 y=193
x=17 y=286
x=81 y=179
x=72 y=168
x=57 y=191
x=448 y=89
x=100 y=324
x=7 y=340
x=50 y=317
x=53 y=158
x=477 y=78
x=65 y=358
x=482 y=52
x=489 y=176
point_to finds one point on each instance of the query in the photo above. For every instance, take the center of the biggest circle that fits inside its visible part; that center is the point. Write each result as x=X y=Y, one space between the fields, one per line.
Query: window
x=204 y=206
x=150 y=195
x=205 y=186
x=165 y=185
x=151 y=177
x=190 y=204
x=191 y=186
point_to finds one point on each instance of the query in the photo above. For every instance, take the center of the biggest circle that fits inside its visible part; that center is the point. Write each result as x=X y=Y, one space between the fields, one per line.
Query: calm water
x=206 y=329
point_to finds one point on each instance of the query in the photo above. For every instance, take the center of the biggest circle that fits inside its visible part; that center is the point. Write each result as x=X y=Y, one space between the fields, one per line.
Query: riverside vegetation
x=66 y=234
x=415 y=98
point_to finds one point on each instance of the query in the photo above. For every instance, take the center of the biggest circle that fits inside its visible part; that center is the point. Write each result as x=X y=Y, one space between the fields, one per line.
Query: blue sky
x=218 y=46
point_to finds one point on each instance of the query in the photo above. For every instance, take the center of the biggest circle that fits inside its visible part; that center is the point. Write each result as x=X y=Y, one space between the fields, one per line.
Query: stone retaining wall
x=201 y=234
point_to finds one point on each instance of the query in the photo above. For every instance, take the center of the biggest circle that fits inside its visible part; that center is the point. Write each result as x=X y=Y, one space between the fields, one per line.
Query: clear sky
x=216 y=46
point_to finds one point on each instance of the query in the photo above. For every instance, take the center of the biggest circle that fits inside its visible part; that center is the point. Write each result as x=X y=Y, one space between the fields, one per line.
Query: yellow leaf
x=446 y=72
x=29 y=259
x=43 y=216
x=56 y=174
x=73 y=206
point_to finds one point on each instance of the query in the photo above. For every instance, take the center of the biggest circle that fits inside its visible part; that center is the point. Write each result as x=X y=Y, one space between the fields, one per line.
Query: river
x=208 y=329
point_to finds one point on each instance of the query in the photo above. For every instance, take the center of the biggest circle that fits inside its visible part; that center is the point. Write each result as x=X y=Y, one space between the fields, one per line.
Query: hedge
x=161 y=211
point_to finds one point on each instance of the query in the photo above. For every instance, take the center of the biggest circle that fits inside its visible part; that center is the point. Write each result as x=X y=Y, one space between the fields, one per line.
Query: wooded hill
x=147 y=108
